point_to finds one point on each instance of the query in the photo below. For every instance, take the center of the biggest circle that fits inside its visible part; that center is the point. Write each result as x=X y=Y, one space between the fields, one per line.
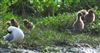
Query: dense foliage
x=53 y=19
x=46 y=7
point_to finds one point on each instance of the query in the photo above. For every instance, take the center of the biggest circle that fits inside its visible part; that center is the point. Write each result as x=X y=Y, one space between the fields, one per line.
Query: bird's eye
x=9 y=31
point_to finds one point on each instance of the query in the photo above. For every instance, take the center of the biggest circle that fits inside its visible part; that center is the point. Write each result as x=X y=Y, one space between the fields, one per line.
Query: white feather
x=16 y=32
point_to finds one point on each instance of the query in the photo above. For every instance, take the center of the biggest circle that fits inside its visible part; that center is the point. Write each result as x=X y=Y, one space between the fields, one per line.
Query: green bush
x=51 y=7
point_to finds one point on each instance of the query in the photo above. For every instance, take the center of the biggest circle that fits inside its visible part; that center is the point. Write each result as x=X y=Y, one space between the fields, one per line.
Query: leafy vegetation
x=53 y=21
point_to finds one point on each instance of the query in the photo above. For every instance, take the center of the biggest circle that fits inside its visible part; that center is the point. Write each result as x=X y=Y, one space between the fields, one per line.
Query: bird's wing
x=9 y=37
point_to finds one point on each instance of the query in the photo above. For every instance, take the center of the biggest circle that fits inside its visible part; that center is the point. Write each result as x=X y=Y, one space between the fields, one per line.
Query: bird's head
x=90 y=11
x=25 y=21
x=8 y=23
x=80 y=14
x=12 y=20
x=10 y=29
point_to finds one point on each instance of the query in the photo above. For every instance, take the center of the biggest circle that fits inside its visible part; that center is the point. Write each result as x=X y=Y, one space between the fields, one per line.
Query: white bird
x=14 y=34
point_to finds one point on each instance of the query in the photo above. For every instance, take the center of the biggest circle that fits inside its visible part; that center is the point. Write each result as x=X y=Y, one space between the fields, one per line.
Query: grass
x=49 y=31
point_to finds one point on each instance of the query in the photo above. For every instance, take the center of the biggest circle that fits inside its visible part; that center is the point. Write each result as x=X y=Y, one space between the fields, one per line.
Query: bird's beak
x=9 y=31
